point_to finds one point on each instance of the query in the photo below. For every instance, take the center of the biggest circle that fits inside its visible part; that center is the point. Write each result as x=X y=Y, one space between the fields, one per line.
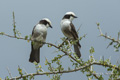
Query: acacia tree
x=79 y=64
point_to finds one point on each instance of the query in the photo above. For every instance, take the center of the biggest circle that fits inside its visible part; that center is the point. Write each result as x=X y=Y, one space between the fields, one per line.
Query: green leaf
x=110 y=44
x=1 y=33
x=20 y=71
x=35 y=63
x=26 y=37
x=69 y=68
x=7 y=78
x=91 y=50
x=100 y=78
x=49 y=46
x=98 y=24
x=109 y=69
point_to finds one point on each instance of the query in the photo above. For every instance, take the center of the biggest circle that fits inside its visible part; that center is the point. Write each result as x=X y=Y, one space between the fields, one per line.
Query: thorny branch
x=66 y=71
x=108 y=37
x=58 y=47
x=66 y=53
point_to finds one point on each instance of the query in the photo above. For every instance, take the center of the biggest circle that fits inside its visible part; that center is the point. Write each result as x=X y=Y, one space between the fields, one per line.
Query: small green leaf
x=91 y=50
x=98 y=24
x=40 y=66
x=35 y=63
x=26 y=37
x=109 y=69
x=110 y=44
x=69 y=68
x=1 y=33
x=49 y=46
x=7 y=78
x=20 y=71
x=100 y=78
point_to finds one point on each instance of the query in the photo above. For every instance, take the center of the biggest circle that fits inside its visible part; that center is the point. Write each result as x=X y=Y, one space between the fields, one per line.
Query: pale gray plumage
x=69 y=31
x=39 y=33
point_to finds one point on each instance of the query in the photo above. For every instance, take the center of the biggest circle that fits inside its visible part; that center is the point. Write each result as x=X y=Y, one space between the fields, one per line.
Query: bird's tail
x=35 y=55
x=77 y=50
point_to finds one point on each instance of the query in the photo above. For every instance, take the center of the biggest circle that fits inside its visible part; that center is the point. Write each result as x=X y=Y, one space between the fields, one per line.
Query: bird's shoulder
x=65 y=23
x=39 y=28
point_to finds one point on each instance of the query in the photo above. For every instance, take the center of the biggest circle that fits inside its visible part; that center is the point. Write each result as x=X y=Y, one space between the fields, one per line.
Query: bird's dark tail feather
x=35 y=55
x=77 y=50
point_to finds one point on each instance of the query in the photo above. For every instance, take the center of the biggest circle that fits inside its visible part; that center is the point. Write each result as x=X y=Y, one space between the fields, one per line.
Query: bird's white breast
x=40 y=28
x=65 y=26
x=42 y=31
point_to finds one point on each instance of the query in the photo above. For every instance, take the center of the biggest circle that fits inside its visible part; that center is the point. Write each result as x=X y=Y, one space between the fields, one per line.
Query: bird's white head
x=70 y=15
x=47 y=22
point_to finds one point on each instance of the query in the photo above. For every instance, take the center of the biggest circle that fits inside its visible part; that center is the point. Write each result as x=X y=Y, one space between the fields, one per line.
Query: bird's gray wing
x=74 y=33
x=75 y=36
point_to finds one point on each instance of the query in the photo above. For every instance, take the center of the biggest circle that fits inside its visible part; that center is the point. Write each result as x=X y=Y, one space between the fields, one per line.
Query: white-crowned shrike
x=69 y=31
x=39 y=33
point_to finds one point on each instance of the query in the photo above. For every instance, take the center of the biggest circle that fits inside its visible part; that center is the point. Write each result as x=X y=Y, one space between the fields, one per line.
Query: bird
x=68 y=29
x=39 y=34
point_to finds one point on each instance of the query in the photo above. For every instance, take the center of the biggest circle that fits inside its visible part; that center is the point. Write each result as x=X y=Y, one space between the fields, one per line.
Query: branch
x=66 y=53
x=108 y=37
x=58 y=47
x=2 y=33
x=97 y=77
x=63 y=42
x=67 y=71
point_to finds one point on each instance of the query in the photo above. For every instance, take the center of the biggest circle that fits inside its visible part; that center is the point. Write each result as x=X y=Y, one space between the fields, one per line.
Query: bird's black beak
x=50 y=26
x=75 y=17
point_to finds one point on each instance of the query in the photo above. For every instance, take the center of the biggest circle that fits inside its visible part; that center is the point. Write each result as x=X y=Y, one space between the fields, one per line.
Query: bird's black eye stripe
x=68 y=16
x=72 y=15
x=48 y=23
x=44 y=22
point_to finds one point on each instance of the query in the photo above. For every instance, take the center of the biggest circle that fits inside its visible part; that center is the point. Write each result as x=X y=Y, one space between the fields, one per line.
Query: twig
x=13 y=36
x=63 y=43
x=9 y=72
x=70 y=46
x=118 y=35
x=25 y=71
x=50 y=66
x=107 y=37
x=14 y=26
x=63 y=52
x=93 y=74
x=79 y=28
x=100 y=30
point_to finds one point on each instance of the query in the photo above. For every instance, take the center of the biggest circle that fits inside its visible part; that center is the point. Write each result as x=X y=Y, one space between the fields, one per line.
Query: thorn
x=9 y=72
